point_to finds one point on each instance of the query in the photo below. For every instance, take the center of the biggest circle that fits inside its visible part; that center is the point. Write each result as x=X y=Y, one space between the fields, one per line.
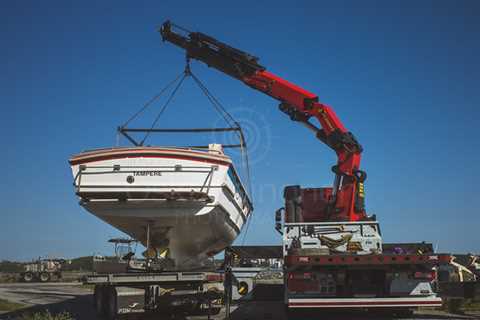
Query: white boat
x=188 y=201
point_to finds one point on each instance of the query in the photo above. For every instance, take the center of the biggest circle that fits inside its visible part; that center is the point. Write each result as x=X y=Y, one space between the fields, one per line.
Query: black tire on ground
x=99 y=299
x=214 y=311
x=27 y=277
x=199 y=311
x=44 y=277
x=111 y=310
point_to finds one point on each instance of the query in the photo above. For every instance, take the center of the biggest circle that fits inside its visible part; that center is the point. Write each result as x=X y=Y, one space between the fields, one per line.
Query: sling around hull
x=187 y=201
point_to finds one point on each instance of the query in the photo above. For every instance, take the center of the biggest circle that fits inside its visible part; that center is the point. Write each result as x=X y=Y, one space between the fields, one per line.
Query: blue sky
x=403 y=76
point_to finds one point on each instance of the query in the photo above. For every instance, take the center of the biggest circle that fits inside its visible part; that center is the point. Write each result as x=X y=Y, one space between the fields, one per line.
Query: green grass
x=471 y=305
x=461 y=306
x=8 y=277
x=88 y=286
x=11 y=266
x=9 y=306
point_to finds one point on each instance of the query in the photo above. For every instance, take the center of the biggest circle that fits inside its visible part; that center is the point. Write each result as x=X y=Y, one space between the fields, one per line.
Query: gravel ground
x=77 y=300
x=32 y=294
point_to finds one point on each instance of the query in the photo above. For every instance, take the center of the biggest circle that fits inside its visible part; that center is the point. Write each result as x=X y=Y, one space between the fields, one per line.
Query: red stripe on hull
x=148 y=155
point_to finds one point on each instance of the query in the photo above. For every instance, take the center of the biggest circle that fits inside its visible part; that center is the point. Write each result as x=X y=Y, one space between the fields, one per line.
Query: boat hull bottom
x=192 y=231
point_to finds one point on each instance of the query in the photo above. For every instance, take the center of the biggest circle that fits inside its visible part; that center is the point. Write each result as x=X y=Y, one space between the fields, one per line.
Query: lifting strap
x=176 y=83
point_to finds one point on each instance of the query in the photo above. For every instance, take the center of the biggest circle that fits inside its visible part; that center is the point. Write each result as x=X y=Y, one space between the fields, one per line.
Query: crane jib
x=347 y=199
x=212 y=52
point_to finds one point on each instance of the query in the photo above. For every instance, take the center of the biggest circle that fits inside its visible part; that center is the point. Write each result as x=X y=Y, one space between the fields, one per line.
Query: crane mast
x=345 y=201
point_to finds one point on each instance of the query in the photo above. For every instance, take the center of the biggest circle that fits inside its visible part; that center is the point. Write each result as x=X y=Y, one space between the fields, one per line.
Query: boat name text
x=147 y=173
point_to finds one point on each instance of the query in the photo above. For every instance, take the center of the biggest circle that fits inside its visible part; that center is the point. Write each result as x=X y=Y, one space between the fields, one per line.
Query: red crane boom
x=345 y=201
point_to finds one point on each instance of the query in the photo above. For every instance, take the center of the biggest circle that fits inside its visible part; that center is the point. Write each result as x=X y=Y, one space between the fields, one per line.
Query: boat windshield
x=238 y=185
x=122 y=250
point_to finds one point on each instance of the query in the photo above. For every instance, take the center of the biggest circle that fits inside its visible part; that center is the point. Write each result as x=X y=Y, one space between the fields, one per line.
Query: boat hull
x=190 y=238
x=191 y=203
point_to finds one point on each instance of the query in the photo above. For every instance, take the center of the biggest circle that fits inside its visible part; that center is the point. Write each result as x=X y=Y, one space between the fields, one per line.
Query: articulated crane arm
x=347 y=199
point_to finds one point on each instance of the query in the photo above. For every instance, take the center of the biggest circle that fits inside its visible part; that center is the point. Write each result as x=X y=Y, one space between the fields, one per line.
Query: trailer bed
x=136 y=278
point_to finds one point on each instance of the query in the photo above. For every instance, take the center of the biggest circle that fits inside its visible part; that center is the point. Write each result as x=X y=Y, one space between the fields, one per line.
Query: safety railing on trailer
x=130 y=171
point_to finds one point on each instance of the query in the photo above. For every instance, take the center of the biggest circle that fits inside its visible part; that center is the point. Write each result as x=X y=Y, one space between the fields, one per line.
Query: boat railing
x=202 y=188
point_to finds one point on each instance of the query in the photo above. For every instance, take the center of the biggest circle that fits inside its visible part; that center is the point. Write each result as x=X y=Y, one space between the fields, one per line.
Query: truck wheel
x=198 y=310
x=44 y=277
x=99 y=300
x=27 y=277
x=111 y=309
x=214 y=311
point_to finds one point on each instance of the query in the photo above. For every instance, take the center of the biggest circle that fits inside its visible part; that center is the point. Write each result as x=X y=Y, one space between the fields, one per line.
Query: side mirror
x=278 y=215
x=278 y=220
x=278 y=227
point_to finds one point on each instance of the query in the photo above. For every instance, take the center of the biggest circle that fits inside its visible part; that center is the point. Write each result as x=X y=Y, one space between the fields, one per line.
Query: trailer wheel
x=99 y=299
x=201 y=310
x=111 y=309
x=44 y=277
x=27 y=277
x=214 y=311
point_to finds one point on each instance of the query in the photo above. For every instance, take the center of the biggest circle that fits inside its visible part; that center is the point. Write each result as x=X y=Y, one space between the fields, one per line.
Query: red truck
x=342 y=264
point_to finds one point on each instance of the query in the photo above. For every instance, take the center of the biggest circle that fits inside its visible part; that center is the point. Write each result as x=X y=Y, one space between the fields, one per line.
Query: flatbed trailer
x=149 y=292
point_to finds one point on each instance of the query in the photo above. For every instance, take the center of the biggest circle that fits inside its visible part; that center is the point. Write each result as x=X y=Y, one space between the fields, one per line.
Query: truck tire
x=198 y=310
x=214 y=311
x=111 y=309
x=99 y=300
x=44 y=277
x=27 y=277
